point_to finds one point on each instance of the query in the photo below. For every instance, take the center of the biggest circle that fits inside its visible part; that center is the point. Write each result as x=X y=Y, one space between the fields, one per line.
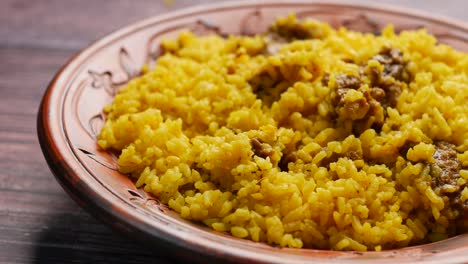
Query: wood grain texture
x=39 y=223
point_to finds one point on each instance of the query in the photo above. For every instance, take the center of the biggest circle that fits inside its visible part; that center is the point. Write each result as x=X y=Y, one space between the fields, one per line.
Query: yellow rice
x=185 y=130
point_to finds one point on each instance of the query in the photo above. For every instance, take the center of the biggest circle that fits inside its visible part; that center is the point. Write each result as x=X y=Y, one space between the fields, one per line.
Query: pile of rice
x=282 y=138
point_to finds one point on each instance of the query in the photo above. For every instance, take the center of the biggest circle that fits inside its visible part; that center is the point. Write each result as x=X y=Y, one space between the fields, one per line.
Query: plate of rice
x=272 y=132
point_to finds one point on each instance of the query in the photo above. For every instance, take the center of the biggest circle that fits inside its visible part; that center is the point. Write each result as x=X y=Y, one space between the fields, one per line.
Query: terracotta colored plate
x=70 y=117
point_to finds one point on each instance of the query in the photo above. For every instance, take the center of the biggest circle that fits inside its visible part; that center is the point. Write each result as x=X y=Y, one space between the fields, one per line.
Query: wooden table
x=39 y=223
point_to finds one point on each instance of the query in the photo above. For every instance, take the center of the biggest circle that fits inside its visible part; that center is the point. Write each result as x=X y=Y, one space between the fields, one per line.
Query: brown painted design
x=141 y=199
x=71 y=116
x=362 y=23
x=95 y=124
x=103 y=81
x=110 y=165
x=205 y=27
x=128 y=65
x=250 y=23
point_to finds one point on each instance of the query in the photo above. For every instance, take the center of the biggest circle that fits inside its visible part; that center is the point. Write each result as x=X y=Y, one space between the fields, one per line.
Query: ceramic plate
x=70 y=117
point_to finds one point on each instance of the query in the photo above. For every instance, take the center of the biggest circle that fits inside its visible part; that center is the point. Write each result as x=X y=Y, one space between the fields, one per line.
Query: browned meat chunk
x=269 y=83
x=343 y=84
x=394 y=65
x=286 y=159
x=462 y=206
x=445 y=175
x=378 y=94
x=343 y=81
x=352 y=154
x=446 y=166
x=325 y=79
x=268 y=88
x=369 y=111
x=389 y=92
x=359 y=110
x=294 y=29
x=260 y=149
x=284 y=32
x=353 y=110
x=393 y=91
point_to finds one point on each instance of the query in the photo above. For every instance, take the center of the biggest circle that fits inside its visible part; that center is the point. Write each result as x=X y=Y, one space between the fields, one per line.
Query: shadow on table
x=79 y=238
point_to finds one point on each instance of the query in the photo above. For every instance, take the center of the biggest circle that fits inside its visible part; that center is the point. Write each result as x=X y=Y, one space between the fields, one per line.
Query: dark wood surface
x=39 y=223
